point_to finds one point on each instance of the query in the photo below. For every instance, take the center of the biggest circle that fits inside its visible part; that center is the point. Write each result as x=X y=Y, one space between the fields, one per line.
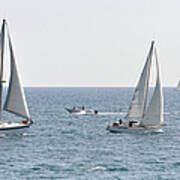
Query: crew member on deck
x=120 y=121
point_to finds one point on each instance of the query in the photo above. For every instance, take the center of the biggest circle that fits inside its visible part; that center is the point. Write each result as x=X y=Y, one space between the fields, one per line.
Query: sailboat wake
x=111 y=113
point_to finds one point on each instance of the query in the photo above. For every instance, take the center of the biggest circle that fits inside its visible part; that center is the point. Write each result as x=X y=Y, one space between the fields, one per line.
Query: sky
x=92 y=42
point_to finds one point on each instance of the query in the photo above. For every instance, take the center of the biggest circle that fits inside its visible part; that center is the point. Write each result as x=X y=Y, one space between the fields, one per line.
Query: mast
x=2 y=38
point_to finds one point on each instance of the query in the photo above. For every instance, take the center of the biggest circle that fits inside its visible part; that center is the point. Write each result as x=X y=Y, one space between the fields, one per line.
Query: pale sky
x=92 y=42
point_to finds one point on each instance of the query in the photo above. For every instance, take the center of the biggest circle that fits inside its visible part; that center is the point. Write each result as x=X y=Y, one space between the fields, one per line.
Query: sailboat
x=15 y=101
x=145 y=117
x=178 y=86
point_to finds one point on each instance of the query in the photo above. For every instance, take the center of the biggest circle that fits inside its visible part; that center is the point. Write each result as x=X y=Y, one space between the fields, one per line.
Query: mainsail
x=138 y=103
x=154 y=114
x=15 y=100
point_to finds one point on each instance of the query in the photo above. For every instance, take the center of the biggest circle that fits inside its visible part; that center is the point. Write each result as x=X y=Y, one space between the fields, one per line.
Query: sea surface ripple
x=60 y=145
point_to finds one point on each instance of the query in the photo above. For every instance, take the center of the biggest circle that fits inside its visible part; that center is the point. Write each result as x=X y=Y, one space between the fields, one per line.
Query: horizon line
x=85 y=86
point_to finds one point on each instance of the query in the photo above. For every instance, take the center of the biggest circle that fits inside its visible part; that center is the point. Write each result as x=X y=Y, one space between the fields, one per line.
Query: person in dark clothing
x=130 y=124
x=95 y=112
x=120 y=121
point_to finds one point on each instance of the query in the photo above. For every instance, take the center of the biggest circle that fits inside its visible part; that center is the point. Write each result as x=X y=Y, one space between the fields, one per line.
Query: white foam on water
x=98 y=168
x=111 y=113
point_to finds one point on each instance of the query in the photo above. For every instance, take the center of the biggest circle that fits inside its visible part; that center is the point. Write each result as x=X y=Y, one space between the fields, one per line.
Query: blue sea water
x=78 y=147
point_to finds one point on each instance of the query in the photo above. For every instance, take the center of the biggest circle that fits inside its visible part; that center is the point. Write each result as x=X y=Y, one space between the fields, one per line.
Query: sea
x=60 y=145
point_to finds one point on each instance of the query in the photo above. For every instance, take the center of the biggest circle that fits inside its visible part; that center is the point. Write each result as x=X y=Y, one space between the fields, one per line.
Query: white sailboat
x=150 y=117
x=15 y=101
x=178 y=86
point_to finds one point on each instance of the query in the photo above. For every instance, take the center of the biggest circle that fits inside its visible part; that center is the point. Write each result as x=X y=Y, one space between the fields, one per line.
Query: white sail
x=137 y=106
x=15 y=101
x=178 y=86
x=154 y=114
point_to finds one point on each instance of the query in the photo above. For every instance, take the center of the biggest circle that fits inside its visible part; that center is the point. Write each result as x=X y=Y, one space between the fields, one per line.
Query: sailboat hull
x=136 y=129
x=13 y=128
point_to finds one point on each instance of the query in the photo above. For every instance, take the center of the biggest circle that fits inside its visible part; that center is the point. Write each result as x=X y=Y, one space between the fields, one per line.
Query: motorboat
x=81 y=110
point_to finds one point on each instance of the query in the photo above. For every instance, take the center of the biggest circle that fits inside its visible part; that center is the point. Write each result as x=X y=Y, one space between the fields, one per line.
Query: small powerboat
x=82 y=110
